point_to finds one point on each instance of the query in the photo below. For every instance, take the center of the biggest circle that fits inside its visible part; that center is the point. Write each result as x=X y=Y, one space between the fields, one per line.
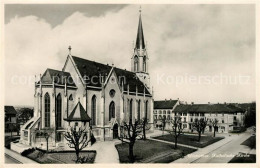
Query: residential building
x=10 y=118
x=163 y=110
x=229 y=117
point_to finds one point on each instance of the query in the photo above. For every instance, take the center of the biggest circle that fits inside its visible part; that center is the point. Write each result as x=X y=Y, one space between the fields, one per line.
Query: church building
x=98 y=96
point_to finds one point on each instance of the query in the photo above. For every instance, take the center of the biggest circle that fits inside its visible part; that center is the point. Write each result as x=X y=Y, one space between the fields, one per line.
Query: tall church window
x=47 y=110
x=130 y=109
x=144 y=64
x=58 y=108
x=111 y=110
x=146 y=109
x=93 y=110
x=135 y=63
x=138 y=110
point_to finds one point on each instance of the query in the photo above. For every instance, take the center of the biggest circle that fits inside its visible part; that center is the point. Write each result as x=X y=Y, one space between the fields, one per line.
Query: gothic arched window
x=58 y=112
x=138 y=110
x=146 y=109
x=136 y=63
x=47 y=110
x=111 y=110
x=130 y=109
x=93 y=110
x=71 y=97
x=144 y=64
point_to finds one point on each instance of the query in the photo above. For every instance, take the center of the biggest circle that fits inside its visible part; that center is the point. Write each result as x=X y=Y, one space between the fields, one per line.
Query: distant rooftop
x=165 y=104
x=10 y=110
x=207 y=108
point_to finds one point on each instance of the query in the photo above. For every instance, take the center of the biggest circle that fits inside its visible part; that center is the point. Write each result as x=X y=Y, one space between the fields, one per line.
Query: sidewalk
x=19 y=157
x=228 y=146
x=173 y=143
x=106 y=152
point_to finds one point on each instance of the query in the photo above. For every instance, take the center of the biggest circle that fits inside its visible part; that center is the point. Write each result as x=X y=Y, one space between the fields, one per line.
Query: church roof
x=165 y=104
x=90 y=68
x=59 y=77
x=207 y=108
x=78 y=114
x=140 y=44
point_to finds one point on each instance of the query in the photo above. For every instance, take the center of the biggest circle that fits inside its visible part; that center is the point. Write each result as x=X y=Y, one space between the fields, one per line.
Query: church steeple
x=140 y=58
x=140 y=44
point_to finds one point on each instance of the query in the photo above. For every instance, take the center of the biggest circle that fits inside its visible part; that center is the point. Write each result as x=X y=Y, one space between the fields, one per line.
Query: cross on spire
x=69 y=50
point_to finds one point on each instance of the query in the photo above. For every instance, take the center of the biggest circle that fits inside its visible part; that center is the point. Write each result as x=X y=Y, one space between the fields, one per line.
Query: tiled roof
x=165 y=104
x=78 y=114
x=58 y=76
x=10 y=110
x=90 y=68
x=208 y=108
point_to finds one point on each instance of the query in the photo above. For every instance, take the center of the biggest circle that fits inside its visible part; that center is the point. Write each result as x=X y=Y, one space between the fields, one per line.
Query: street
x=226 y=152
x=11 y=160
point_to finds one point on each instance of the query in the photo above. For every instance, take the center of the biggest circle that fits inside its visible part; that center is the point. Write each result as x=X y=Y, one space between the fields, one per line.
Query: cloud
x=182 y=39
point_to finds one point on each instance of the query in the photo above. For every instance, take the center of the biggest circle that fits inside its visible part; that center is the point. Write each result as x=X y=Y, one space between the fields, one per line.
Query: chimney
x=225 y=102
x=208 y=102
x=186 y=103
x=170 y=99
x=192 y=103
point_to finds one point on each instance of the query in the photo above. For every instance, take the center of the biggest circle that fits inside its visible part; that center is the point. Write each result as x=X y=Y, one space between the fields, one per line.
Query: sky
x=197 y=53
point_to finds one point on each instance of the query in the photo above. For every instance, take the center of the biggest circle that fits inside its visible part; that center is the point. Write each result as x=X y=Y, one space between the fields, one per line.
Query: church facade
x=92 y=94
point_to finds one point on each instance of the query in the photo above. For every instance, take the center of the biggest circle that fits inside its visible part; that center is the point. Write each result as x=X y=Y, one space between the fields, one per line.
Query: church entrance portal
x=115 y=131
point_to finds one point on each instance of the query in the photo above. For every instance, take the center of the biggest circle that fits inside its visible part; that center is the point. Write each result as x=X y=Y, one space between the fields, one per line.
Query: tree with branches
x=77 y=138
x=46 y=133
x=163 y=120
x=177 y=128
x=199 y=126
x=214 y=123
x=145 y=126
x=129 y=133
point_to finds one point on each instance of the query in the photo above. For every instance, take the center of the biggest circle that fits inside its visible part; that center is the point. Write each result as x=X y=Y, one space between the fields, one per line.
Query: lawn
x=243 y=158
x=191 y=140
x=150 y=151
x=250 y=142
x=67 y=157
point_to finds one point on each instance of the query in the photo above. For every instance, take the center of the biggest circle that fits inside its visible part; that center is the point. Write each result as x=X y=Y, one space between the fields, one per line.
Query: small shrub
x=27 y=152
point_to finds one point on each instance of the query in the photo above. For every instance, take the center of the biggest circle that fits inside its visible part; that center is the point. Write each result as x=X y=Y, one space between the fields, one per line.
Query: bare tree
x=130 y=132
x=177 y=129
x=46 y=133
x=77 y=138
x=163 y=120
x=145 y=126
x=199 y=126
x=214 y=124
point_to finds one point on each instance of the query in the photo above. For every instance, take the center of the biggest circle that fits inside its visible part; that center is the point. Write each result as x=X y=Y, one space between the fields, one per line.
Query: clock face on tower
x=112 y=93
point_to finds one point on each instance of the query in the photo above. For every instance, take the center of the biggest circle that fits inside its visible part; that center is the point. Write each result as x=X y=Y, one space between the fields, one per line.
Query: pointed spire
x=140 y=44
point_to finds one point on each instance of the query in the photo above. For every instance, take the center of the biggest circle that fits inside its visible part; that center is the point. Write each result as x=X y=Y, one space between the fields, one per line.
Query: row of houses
x=230 y=117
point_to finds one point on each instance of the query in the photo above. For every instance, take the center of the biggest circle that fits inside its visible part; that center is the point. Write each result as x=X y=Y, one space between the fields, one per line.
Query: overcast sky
x=198 y=53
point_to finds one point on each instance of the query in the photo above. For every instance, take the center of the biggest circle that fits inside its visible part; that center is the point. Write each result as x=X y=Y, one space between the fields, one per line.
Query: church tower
x=139 y=60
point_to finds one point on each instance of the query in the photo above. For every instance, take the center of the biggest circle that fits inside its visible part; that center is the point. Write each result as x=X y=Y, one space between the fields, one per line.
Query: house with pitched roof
x=229 y=117
x=163 y=110
x=91 y=94
x=10 y=118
